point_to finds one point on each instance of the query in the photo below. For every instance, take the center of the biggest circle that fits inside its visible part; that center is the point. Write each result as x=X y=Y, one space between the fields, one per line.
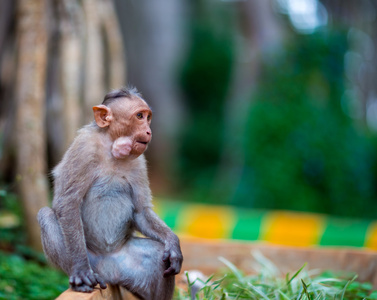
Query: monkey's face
x=128 y=122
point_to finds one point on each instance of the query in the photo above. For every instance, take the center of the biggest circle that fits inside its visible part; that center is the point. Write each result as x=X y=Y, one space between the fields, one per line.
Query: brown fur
x=101 y=196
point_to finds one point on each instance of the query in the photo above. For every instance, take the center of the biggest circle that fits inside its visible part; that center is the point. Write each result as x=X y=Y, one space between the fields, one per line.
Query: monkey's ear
x=102 y=115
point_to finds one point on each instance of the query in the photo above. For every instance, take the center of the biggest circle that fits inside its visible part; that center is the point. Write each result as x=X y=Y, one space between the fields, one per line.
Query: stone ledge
x=203 y=255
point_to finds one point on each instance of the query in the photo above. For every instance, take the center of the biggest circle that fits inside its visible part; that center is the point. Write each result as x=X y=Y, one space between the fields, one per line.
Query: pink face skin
x=128 y=124
x=126 y=146
x=122 y=147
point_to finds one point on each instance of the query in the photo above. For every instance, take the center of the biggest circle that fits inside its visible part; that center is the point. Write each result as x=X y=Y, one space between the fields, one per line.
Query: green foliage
x=24 y=274
x=302 y=151
x=22 y=279
x=205 y=80
x=269 y=284
x=13 y=234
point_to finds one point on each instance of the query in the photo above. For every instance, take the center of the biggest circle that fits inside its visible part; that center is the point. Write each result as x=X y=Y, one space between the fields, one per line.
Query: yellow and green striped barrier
x=278 y=227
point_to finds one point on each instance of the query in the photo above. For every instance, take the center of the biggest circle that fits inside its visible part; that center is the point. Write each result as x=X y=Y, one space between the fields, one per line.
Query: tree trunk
x=94 y=60
x=115 y=58
x=7 y=79
x=30 y=97
x=72 y=34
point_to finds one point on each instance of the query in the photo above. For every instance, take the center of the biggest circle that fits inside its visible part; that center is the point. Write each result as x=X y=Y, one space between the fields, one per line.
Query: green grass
x=25 y=279
x=268 y=283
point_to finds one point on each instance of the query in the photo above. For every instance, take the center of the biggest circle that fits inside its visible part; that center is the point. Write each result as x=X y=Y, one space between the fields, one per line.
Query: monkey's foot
x=82 y=288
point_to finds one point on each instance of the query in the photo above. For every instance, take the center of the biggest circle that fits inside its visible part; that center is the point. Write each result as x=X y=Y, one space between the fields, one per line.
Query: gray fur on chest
x=107 y=214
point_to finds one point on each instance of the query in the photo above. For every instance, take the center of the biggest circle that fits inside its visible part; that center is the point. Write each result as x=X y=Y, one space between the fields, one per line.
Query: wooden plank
x=111 y=293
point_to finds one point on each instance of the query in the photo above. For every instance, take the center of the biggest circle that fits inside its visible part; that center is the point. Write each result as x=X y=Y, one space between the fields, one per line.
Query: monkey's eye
x=149 y=117
x=139 y=116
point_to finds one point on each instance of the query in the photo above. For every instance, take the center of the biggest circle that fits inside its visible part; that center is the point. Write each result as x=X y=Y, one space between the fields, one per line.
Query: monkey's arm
x=150 y=225
x=72 y=180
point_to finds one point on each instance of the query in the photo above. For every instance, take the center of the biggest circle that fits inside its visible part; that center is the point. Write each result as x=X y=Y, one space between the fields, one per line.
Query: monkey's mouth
x=141 y=142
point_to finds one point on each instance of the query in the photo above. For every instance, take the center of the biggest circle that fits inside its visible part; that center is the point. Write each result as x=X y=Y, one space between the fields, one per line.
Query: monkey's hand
x=173 y=260
x=85 y=281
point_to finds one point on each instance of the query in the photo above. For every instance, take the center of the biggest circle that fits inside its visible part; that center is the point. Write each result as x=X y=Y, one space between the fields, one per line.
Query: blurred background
x=267 y=104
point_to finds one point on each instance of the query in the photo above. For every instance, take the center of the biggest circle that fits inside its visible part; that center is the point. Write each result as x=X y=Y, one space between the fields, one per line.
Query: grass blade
x=346 y=286
x=232 y=267
x=255 y=289
x=284 y=295
x=188 y=283
x=297 y=273
x=243 y=289
x=265 y=262
x=305 y=289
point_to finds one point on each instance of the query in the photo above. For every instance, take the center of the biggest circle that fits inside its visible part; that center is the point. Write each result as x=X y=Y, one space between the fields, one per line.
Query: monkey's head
x=126 y=117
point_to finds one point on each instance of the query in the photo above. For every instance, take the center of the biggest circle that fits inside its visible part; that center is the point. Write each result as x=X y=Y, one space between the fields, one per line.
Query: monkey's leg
x=52 y=239
x=138 y=267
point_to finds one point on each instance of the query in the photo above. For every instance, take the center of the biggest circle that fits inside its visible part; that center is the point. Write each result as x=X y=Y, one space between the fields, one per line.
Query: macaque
x=101 y=198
